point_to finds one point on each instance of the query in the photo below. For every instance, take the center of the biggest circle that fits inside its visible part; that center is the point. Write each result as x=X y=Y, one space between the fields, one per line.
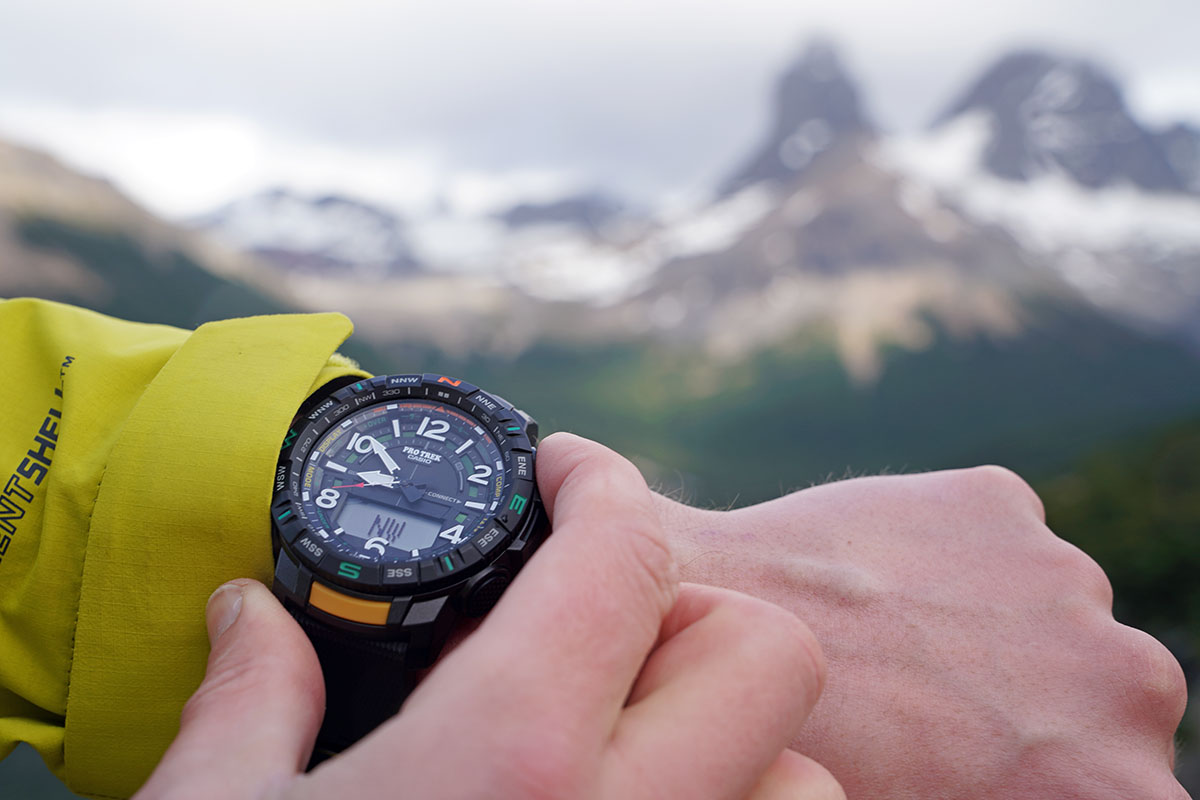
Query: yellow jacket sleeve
x=136 y=464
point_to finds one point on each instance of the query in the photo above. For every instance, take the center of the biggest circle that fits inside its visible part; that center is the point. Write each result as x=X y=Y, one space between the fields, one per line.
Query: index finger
x=568 y=638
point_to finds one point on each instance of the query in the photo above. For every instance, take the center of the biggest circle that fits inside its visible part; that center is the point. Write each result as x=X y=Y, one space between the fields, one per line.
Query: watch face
x=404 y=481
x=399 y=485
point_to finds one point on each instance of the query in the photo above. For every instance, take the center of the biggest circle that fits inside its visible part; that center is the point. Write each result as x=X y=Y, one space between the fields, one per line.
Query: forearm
x=970 y=651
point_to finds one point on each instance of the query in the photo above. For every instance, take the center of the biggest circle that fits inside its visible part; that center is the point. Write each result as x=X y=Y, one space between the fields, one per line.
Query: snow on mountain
x=1038 y=180
x=1050 y=211
x=1051 y=114
x=1046 y=149
x=328 y=233
x=571 y=268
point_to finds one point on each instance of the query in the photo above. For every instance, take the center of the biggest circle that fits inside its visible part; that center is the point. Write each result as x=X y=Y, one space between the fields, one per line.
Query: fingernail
x=223 y=609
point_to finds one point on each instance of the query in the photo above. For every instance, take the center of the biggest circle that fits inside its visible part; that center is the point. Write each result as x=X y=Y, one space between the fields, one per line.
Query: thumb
x=252 y=722
x=797 y=777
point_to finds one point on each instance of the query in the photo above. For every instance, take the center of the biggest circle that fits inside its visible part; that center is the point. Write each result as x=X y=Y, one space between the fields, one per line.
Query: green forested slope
x=144 y=285
x=789 y=416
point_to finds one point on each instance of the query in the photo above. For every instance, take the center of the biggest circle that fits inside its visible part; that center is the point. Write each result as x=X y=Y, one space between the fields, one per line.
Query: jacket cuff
x=182 y=507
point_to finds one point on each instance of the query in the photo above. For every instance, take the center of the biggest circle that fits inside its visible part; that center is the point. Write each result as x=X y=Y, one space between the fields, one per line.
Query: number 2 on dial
x=482 y=473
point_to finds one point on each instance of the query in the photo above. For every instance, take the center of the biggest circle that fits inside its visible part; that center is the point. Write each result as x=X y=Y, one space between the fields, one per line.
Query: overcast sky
x=474 y=102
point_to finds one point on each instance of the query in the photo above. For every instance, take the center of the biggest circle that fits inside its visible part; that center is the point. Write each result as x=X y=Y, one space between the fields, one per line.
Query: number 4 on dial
x=454 y=534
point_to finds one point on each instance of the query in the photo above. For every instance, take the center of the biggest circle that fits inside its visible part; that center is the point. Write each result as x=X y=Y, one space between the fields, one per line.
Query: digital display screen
x=366 y=520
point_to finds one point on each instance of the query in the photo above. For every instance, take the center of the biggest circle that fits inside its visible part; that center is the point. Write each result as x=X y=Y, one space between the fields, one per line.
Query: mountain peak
x=589 y=211
x=1059 y=114
x=816 y=105
x=320 y=233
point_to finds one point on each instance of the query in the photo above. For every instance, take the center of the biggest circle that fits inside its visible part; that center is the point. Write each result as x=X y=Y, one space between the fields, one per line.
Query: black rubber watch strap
x=366 y=682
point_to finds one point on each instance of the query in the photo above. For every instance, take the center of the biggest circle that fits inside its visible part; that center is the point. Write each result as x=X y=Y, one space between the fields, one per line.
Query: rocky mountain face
x=1046 y=148
x=1181 y=144
x=587 y=211
x=75 y=238
x=1036 y=182
x=1050 y=113
x=36 y=189
x=323 y=234
x=816 y=107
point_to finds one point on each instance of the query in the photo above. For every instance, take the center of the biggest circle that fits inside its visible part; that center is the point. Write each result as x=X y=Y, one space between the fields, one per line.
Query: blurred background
x=896 y=237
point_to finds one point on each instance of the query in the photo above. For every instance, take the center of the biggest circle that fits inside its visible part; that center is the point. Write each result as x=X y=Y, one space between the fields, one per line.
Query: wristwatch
x=402 y=504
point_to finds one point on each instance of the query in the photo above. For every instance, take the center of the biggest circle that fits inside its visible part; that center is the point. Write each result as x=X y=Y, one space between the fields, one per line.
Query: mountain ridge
x=1051 y=112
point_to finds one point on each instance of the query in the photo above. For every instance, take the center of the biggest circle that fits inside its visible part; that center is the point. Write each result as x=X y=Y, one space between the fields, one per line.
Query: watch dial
x=402 y=482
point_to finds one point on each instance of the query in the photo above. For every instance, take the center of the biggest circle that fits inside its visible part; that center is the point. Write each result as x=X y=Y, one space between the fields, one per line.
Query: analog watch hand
x=377 y=478
x=382 y=452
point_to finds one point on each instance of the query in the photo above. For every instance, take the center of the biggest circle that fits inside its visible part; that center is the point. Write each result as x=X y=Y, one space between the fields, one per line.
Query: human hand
x=597 y=675
x=971 y=652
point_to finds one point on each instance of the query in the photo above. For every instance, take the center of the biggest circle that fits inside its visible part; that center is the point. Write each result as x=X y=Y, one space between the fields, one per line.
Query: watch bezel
x=514 y=434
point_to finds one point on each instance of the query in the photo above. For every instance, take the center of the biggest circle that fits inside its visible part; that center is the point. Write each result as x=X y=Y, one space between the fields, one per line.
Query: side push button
x=484 y=592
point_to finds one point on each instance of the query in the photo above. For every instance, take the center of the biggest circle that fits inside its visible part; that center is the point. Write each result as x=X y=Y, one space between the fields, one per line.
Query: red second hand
x=349 y=486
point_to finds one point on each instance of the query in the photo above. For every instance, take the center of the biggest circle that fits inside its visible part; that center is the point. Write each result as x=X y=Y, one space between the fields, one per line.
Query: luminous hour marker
x=465 y=445
x=332 y=465
x=396 y=427
x=339 y=530
x=479 y=430
x=306 y=495
x=479 y=506
x=392 y=407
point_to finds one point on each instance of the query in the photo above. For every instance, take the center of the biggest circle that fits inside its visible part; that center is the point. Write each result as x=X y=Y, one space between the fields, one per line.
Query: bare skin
x=598 y=675
x=971 y=652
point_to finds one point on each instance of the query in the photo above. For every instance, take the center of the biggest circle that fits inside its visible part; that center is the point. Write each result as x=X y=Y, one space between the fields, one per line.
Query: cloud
x=649 y=96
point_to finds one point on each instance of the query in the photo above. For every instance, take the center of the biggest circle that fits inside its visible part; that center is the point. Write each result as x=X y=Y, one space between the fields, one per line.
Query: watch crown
x=484 y=592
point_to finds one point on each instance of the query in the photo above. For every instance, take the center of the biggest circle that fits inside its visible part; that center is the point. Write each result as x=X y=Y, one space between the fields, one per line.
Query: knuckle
x=1154 y=679
x=644 y=543
x=1000 y=481
x=1081 y=570
x=653 y=563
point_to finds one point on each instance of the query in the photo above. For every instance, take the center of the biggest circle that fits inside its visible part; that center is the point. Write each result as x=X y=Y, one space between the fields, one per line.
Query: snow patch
x=561 y=265
x=1048 y=213
x=334 y=228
